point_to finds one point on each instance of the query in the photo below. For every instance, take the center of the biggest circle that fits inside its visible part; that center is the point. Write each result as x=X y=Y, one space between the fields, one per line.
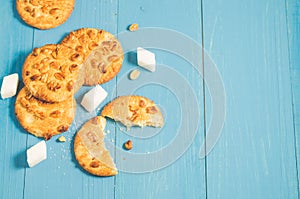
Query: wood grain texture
x=255 y=45
x=185 y=178
x=255 y=156
x=16 y=42
x=293 y=21
x=60 y=175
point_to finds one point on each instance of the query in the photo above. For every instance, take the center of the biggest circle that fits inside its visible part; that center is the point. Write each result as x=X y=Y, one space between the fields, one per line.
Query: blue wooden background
x=255 y=45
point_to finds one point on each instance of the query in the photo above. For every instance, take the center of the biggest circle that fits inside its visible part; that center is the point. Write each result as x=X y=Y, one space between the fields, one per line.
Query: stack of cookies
x=52 y=74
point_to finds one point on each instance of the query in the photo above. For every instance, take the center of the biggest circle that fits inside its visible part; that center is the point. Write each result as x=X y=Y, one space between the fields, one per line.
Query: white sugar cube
x=146 y=59
x=9 y=85
x=93 y=98
x=37 y=153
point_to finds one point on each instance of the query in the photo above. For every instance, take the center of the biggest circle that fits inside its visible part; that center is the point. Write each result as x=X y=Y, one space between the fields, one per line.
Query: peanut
x=134 y=74
x=128 y=145
x=133 y=27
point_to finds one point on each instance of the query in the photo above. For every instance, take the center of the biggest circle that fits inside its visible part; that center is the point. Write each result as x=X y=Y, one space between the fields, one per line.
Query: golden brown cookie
x=80 y=80
x=50 y=72
x=102 y=53
x=90 y=151
x=45 y=14
x=43 y=119
x=134 y=111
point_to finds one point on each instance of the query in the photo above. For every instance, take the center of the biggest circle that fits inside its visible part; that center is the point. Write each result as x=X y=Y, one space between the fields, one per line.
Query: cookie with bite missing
x=50 y=72
x=90 y=151
x=43 y=119
x=134 y=111
x=44 y=14
x=102 y=52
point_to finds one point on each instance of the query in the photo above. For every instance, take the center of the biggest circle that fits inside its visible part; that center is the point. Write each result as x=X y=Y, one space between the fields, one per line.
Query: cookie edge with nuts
x=85 y=159
x=44 y=23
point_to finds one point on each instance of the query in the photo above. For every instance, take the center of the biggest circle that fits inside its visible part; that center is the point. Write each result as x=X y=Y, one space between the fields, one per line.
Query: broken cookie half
x=90 y=150
x=134 y=111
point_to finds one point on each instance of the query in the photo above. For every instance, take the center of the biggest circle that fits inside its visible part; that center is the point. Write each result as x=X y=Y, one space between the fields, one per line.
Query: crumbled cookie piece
x=128 y=145
x=134 y=111
x=62 y=139
x=90 y=150
x=133 y=27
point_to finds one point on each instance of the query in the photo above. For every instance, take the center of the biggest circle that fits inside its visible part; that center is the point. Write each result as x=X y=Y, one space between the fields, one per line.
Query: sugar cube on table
x=92 y=99
x=146 y=59
x=37 y=154
x=9 y=86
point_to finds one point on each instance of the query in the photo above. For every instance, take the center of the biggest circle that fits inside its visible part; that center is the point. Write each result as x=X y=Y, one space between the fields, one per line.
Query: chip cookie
x=90 y=151
x=102 y=52
x=43 y=119
x=134 y=111
x=45 y=14
x=50 y=72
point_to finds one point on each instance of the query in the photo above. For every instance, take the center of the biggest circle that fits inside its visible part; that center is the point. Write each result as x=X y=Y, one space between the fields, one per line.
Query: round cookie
x=134 y=111
x=102 y=52
x=43 y=119
x=45 y=14
x=90 y=151
x=50 y=72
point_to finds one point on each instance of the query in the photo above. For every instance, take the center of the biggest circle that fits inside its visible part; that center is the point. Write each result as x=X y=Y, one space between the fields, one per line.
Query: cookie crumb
x=128 y=145
x=62 y=139
x=134 y=74
x=133 y=27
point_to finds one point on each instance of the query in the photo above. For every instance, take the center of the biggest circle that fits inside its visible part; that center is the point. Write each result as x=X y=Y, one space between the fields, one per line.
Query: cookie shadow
x=132 y=57
x=18 y=63
x=16 y=14
x=63 y=37
x=73 y=157
x=14 y=119
x=20 y=160
x=79 y=97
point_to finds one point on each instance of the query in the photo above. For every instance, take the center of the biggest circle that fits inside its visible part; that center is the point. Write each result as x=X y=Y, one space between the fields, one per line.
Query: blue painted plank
x=60 y=175
x=15 y=44
x=256 y=152
x=293 y=21
x=184 y=178
x=255 y=155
